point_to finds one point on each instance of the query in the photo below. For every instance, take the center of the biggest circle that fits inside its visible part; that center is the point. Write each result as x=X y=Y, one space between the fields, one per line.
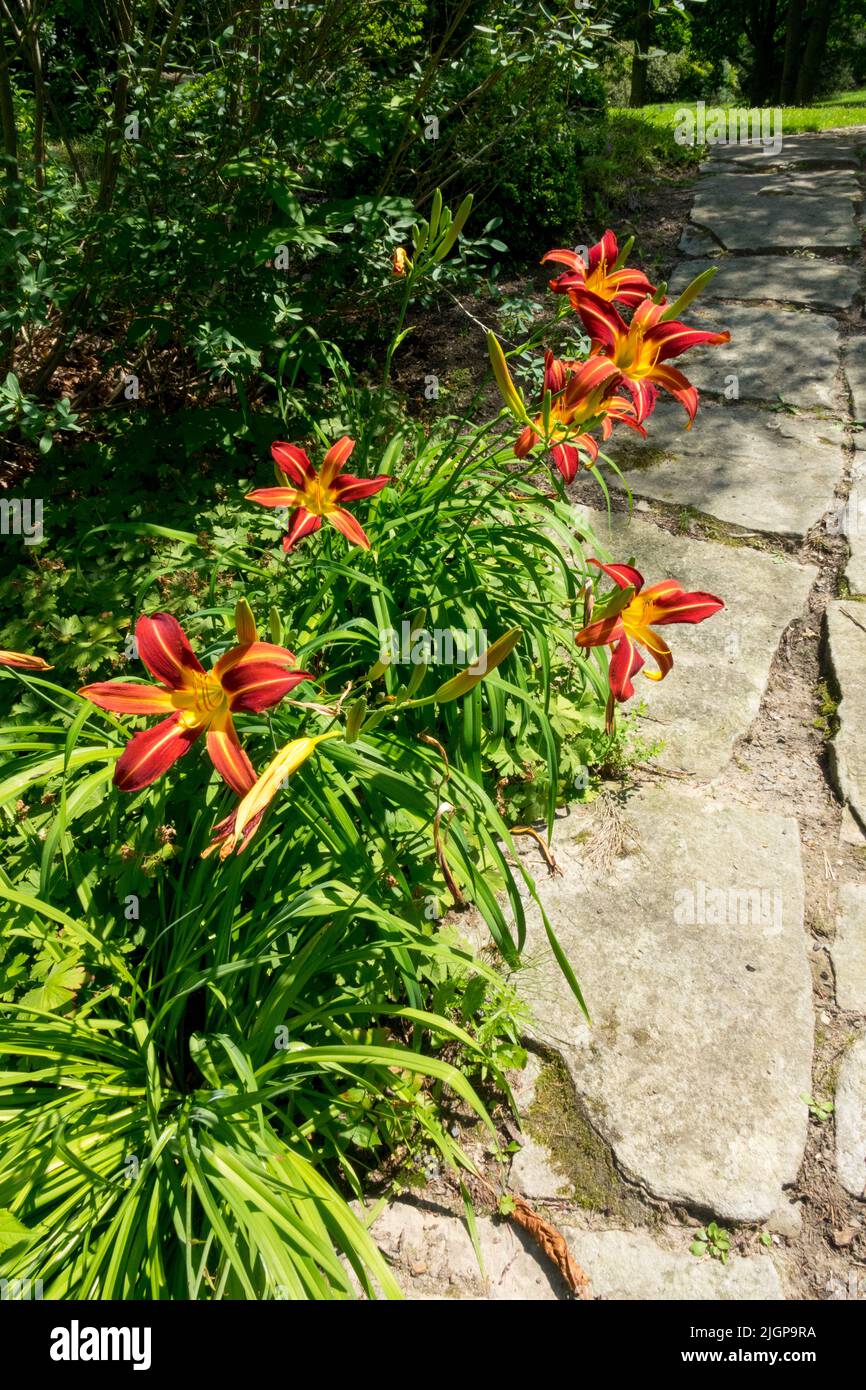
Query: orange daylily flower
x=252 y=676
x=400 y=261
x=640 y=350
x=236 y=831
x=625 y=626
x=318 y=496
x=582 y=398
x=23 y=662
x=600 y=276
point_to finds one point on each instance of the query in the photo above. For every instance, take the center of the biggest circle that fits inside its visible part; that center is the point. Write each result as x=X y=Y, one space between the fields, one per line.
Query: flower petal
x=334 y=459
x=623 y=575
x=659 y=648
x=624 y=664
x=292 y=461
x=599 y=318
x=679 y=387
x=275 y=496
x=128 y=697
x=672 y=338
x=680 y=607
x=253 y=651
x=152 y=752
x=165 y=650
x=601 y=633
x=347 y=488
x=350 y=528
x=259 y=684
x=303 y=524
x=229 y=759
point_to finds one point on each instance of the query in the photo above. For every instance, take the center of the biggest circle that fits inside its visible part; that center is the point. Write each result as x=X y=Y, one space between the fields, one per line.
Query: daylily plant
x=640 y=349
x=625 y=620
x=604 y=275
x=317 y=497
x=252 y=676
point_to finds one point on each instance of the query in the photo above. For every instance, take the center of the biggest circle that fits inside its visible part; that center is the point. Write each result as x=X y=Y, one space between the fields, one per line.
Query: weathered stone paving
x=435 y=1255
x=763 y=471
x=851 y=1121
x=785 y=279
x=776 y=355
x=801 y=199
x=846 y=641
x=849 y=948
x=696 y=929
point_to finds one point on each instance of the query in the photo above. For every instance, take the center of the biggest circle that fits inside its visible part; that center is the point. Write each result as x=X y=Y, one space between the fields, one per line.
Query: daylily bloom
x=23 y=662
x=640 y=349
x=627 y=625
x=318 y=496
x=250 y=677
x=581 y=399
x=600 y=276
x=400 y=261
x=236 y=831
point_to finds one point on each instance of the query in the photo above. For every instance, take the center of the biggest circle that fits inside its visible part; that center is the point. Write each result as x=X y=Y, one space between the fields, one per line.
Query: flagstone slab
x=788 y=279
x=741 y=218
x=433 y=1256
x=849 y=948
x=632 y=1265
x=774 y=354
x=818 y=150
x=696 y=242
x=855 y=375
x=691 y=952
x=721 y=666
x=763 y=471
x=727 y=188
x=851 y=1120
x=852 y=523
x=846 y=645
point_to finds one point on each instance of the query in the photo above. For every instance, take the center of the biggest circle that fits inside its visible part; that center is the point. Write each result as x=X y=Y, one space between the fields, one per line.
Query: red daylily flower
x=582 y=399
x=599 y=277
x=23 y=662
x=624 y=627
x=318 y=496
x=251 y=676
x=640 y=350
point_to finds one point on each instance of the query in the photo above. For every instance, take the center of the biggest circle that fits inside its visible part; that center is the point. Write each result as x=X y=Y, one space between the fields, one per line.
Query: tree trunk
x=642 y=36
x=816 y=44
x=761 y=79
x=10 y=133
x=793 y=45
x=9 y=213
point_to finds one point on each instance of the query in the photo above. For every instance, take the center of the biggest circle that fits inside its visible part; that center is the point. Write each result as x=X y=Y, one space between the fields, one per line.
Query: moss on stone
x=558 y=1119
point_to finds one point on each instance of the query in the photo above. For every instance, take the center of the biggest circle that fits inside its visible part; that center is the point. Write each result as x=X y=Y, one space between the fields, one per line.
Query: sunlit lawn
x=841 y=110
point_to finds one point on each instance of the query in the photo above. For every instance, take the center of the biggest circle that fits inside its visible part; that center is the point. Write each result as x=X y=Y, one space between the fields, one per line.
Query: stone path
x=716 y=912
